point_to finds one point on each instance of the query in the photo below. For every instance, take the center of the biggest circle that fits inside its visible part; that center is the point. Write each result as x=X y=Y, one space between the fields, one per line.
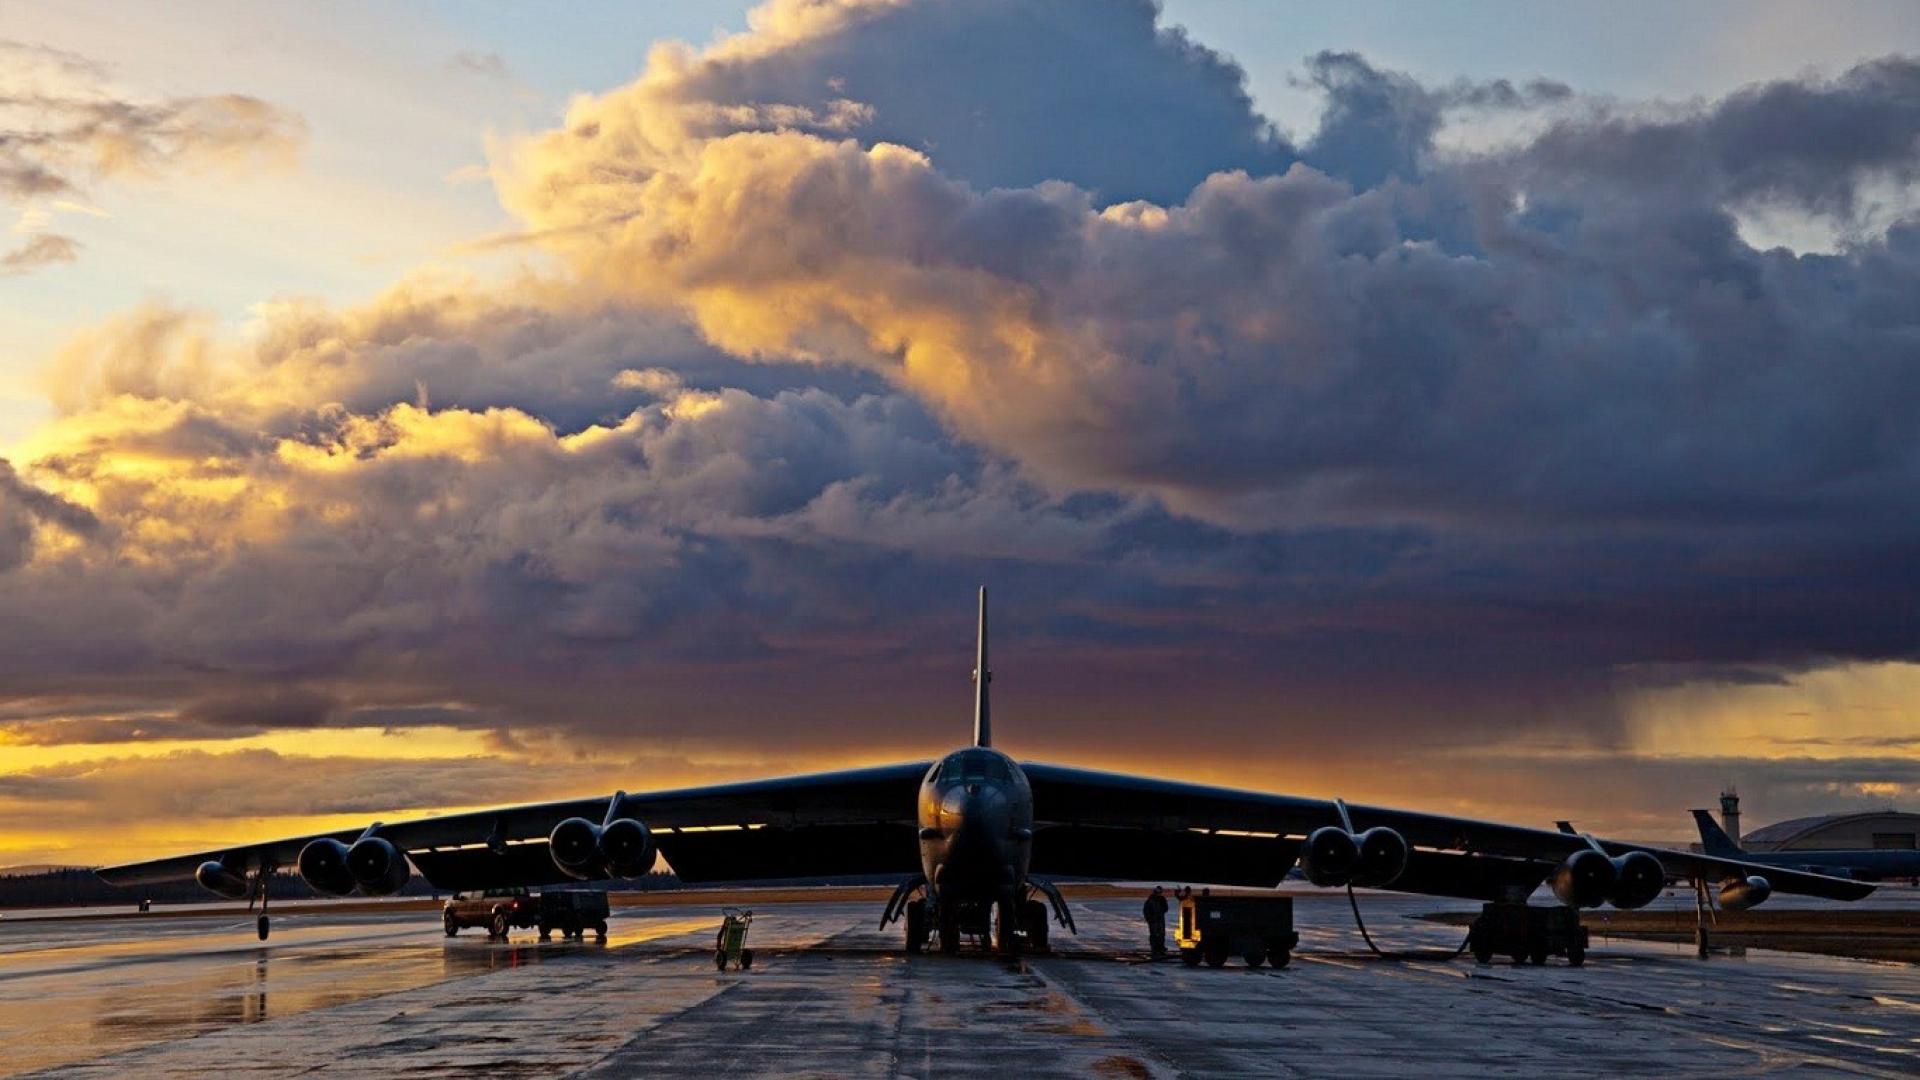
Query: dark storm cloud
x=1812 y=143
x=1004 y=93
x=24 y=507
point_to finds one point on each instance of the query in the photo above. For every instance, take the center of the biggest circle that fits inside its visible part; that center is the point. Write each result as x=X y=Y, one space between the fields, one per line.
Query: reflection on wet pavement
x=829 y=994
x=101 y=990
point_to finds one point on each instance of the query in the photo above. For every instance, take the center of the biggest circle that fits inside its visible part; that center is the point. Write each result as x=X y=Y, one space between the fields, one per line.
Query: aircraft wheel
x=1035 y=918
x=1007 y=927
x=746 y=959
x=949 y=931
x=916 y=926
x=263 y=926
x=1216 y=954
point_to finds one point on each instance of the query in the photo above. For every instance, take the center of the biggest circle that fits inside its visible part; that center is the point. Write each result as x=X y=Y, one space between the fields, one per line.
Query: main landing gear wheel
x=949 y=930
x=1007 y=925
x=1034 y=914
x=263 y=926
x=917 y=926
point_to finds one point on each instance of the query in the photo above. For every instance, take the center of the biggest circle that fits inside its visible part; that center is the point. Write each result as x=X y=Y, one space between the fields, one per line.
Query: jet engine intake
x=323 y=866
x=222 y=880
x=1585 y=880
x=1743 y=893
x=378 y=867
x=1330 y=856
x=1383 y=857
x=621 y=848
x=627 y=847
x=1638 y=878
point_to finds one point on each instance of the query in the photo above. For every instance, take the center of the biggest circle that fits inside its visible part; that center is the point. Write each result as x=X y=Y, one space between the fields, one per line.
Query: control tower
x=1730 y=812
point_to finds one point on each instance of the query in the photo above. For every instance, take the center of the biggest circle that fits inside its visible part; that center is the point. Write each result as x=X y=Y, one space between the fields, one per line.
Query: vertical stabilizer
x=982 y=718
x=1713 y=839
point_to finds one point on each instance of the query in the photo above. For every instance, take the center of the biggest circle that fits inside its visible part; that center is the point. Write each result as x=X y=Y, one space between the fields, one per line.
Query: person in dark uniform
x=1155 y=911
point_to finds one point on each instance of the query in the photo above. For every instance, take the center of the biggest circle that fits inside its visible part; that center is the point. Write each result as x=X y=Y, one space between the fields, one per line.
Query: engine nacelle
x=1383 y=857
x=323 y=866
x=1743 y=893
x=222 y=880
x=575 y=847
x=627 y=848
x=1584 y=880
x=378 y=867
x=1330 y=856
x=621 y=848
x=1638 y=879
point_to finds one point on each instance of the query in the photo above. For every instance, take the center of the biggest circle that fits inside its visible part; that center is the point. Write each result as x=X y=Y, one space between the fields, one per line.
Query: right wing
x=858 y=821
x=1101 y=824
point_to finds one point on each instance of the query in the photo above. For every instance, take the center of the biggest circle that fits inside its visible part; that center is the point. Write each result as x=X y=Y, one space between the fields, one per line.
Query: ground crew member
x=1155 y=911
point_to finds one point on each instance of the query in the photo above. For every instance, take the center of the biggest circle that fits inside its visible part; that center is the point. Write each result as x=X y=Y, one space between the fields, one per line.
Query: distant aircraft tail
x=982 y=714
x=1713 y=839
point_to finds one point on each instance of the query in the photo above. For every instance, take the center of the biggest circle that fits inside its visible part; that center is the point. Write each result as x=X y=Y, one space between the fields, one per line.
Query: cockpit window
x=974 y=767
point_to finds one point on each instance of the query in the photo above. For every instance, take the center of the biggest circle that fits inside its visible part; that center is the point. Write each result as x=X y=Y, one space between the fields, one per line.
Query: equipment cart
x=1527 y=933
x=732 y=942
x=1258 y=929
x=572 y=912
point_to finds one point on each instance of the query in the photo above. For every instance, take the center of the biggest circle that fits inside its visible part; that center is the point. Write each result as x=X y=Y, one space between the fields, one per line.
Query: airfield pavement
x=385 y=993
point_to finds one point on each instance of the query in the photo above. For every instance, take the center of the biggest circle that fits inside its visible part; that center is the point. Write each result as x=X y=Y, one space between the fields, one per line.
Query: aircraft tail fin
x=1713 y=839
x=1567 y=827
x=982 y=675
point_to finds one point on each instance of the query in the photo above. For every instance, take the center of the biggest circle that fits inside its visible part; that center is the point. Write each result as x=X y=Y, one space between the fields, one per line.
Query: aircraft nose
x=973 y=812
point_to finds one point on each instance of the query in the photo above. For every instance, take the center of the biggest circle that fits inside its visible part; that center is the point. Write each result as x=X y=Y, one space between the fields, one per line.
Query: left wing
x=1109 y=825
x=858 y=821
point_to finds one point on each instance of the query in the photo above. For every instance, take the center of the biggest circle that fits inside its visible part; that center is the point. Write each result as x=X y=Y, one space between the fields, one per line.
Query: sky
x=415 y=407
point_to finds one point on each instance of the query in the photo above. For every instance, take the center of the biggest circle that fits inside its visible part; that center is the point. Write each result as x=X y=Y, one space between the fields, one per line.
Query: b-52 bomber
x=977 y=840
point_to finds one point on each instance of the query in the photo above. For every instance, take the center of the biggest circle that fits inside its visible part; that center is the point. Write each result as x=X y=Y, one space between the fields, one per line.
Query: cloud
x=1321 y=448
x=64 y=125
x=45 y=249
x=485 y=64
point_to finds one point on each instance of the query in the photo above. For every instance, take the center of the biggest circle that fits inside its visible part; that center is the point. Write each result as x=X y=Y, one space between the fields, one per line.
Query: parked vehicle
x=1528 y=933
x=1258 y=929
x=571 y=911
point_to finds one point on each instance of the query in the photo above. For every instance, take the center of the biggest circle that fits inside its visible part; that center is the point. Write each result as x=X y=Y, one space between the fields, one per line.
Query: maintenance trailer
x=1258 y=929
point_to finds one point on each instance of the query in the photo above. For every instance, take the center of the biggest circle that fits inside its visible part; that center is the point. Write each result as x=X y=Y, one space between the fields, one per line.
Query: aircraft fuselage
x=976 y=829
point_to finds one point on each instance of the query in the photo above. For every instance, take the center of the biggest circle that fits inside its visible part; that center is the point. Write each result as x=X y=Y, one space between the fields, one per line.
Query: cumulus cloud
x=883 y=298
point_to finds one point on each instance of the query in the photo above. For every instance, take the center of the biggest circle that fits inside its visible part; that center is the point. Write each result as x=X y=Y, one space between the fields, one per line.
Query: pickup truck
x=571 y=911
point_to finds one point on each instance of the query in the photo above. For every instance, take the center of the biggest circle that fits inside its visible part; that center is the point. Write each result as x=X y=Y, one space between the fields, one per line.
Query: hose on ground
x=1435 y=955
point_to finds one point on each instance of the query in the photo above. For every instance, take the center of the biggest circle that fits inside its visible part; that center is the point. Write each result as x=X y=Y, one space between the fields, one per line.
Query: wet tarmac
x=831 y=995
